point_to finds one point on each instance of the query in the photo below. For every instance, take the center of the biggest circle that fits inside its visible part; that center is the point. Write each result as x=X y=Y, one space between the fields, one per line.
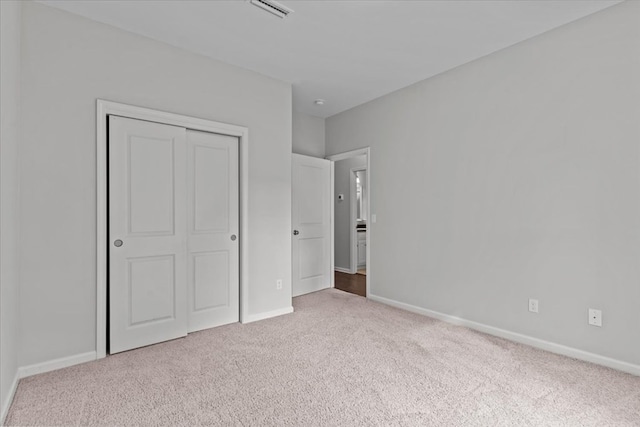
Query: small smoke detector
x=270 y=6
x=319 y=102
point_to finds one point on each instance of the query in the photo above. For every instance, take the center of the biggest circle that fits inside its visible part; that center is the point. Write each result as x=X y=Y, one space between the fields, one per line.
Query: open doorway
x=351 y=221
x=359 y=219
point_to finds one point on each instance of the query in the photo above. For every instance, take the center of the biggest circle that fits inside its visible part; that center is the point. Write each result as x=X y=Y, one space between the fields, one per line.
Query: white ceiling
x=346 y=52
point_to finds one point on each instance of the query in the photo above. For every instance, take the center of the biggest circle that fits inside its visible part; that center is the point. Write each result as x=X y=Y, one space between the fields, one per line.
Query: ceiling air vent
x=272 y=7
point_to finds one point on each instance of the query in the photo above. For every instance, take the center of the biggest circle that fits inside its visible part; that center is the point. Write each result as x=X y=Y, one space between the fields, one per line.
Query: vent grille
x=272 y=7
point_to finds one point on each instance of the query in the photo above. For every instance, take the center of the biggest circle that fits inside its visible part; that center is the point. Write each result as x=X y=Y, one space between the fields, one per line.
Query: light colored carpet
x=339 y=360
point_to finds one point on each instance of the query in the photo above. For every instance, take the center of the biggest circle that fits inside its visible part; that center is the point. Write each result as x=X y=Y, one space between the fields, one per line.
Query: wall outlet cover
x=533 y=305
x=595 y=317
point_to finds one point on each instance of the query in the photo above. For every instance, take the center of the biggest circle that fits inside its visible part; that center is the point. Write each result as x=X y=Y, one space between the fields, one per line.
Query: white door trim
x=332 y=206
x=105 y=108
x=346 y=155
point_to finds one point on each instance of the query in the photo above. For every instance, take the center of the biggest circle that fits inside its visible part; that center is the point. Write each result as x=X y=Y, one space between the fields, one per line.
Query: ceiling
x=346 y=52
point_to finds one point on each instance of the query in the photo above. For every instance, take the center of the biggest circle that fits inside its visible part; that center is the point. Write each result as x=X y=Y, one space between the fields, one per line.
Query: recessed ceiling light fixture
x=271 y=6
x=319 y=102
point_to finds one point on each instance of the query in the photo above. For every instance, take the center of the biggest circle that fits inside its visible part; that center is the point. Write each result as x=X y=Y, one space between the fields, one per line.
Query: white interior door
x=147 y=233
x=311 y=218
x=213 y=211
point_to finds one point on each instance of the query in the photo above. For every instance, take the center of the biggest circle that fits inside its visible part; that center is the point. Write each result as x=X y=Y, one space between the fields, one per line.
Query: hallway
x=352 y=283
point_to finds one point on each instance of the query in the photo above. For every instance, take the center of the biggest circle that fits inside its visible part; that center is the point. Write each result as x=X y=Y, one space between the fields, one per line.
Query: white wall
x=10 y=15
x=67 y=63
x=308 y=135
x=515 y=176
x=342 y=214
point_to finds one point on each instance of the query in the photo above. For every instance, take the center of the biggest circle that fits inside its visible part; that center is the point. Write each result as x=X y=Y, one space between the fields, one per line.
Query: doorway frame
x=353 y=235
x=342 y=156
x=106 y=108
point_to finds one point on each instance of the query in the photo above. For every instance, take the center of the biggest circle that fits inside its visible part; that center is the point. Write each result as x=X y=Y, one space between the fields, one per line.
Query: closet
x=173 y=222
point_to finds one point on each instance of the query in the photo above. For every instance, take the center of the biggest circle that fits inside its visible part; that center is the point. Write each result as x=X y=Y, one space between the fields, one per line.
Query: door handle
x=296 y=232
x=118 y=243
x=233 y=237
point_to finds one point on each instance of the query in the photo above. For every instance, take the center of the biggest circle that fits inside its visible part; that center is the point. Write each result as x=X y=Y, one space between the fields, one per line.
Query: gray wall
x=342 y=218
x=515 y=176
x=10 y=13
x=67 y=63
x=308 y=135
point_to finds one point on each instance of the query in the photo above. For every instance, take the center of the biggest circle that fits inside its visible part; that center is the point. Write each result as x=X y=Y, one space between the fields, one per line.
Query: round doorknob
x=233 y=237
x=296 y=232
x=118 y=243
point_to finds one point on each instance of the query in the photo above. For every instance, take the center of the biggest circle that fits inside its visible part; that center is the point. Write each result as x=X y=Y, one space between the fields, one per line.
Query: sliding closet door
x=147 y=233
x=213 y=216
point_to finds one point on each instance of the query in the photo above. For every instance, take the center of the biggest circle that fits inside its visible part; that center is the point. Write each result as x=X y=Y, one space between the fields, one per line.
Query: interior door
x=311 y=218
x=147 y=233
x=213 y=211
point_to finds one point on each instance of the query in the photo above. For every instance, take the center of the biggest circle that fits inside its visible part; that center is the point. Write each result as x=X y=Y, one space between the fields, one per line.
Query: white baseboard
x=514 y=336
x=52 y=365
x=343 y=270
x=9 y=399
x=261 y=316
x=40 y=368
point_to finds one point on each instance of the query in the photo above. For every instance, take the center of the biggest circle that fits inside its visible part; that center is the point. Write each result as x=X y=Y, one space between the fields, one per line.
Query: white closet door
x=311 y=218
x=213 y=211
x=148 y=233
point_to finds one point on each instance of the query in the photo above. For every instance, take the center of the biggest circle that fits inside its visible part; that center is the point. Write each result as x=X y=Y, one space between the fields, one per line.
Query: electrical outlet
x=533 y=305
x=279 y=284
x=595 y=317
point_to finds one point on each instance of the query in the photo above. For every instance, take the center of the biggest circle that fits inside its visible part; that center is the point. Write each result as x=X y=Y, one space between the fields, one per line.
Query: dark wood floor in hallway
x=352 y=283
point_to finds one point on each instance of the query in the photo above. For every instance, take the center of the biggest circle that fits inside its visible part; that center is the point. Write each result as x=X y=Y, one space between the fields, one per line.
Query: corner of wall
x=8 y=399
x=10 y=122
x=308 y=135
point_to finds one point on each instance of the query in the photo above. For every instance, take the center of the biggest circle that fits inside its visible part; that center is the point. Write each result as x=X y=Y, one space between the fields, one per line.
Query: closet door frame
x=103 y=110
